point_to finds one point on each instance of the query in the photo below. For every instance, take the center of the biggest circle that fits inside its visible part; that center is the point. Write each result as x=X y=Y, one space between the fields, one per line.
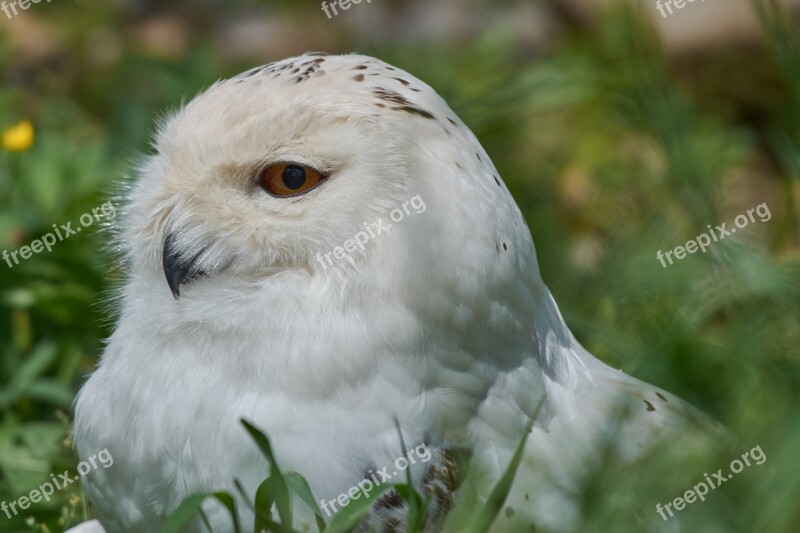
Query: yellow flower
x=19 y=137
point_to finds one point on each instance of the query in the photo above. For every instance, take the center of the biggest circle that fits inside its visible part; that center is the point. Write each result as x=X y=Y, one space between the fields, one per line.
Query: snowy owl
x=321 y=246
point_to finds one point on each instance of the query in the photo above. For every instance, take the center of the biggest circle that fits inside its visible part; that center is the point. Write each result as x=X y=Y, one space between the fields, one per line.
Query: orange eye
x=289 y=179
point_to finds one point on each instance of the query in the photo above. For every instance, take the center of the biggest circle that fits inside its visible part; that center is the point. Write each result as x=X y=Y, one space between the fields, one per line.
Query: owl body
x=439 y=318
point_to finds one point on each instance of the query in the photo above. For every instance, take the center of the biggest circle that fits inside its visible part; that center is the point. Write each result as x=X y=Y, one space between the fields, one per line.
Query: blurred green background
x=620 y=133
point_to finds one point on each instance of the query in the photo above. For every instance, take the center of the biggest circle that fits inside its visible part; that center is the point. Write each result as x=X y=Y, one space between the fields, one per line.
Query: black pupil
x=294 y=177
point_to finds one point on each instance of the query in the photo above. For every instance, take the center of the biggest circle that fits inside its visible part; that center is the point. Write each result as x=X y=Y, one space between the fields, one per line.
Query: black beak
x=176 y=268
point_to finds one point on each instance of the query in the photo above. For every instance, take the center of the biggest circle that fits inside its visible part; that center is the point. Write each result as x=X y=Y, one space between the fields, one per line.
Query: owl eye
x=289 y=179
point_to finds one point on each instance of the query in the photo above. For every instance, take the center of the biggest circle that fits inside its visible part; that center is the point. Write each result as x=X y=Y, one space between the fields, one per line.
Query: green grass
x=613 y=151
x=276 y=494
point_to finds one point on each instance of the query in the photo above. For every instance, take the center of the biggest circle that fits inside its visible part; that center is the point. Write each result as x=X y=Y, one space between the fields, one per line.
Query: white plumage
x=444 y=321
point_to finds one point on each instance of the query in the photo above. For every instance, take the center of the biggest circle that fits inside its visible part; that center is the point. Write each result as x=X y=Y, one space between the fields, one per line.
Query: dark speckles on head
x=304 y=68
x=459 y=166
x=403 y=104
x=391 y=96
x=249 y=73
x=453 y=122
x=293 y=70
x=509 y=511
x=416 y=111
x=649 y=406
x=497 y=181
x=478 y=156
x=505 y=247
x=661 y=396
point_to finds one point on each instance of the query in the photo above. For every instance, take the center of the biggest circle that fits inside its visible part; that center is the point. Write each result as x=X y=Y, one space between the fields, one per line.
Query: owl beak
x=177 y=269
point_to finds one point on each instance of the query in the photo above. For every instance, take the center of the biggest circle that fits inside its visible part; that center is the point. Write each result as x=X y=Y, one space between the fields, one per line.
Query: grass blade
x=276 y=490
x=299 y=486
x=487 y=514
x=193 y=505
x=351 y=516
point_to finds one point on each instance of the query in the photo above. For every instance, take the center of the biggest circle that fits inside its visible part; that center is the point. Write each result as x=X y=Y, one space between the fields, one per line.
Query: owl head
x=331 y=166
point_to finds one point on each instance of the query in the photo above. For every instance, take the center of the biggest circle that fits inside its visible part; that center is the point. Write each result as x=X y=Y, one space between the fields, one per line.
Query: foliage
x=613 y=149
